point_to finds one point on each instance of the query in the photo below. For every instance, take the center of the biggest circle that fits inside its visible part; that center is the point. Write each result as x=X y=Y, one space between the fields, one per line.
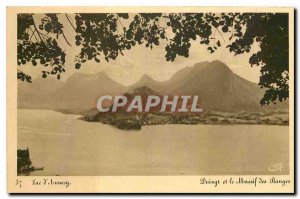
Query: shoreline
x=129 y=122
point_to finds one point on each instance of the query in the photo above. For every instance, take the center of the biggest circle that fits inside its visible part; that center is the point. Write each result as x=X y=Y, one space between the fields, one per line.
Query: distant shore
x=130 y=121
x=136 y=121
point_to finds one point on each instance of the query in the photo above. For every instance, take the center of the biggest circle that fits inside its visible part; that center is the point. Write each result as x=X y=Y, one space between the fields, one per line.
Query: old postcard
x=150 y=100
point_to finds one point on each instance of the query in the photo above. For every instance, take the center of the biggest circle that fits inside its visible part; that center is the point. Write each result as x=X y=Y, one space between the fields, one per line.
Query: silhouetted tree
x=99 y=37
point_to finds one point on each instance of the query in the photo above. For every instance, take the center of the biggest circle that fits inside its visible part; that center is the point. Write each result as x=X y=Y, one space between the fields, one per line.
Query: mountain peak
x=219 y=66
x=146 y=77
x=144 y=90
x=217 y=62
x=201 y=63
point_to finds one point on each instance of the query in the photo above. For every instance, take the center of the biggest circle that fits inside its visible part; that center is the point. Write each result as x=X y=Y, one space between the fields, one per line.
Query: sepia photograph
x=161 y=92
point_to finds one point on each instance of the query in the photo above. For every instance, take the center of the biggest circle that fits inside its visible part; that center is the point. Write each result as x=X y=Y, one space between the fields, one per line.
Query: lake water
x=64 y=145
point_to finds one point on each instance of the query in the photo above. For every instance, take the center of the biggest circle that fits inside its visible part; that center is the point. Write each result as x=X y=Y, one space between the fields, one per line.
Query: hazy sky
x=141 y=60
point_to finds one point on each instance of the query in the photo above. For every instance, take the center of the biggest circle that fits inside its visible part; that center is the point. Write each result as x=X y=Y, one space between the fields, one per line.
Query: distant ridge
x=146 y=80
x=216 y=85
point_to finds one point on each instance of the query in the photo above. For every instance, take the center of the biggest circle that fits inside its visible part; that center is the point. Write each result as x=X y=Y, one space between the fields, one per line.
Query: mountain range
x=216 y=85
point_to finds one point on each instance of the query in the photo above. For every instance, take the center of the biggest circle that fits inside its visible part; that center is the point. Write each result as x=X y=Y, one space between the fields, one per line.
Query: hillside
x=218 y=88
x=216 y=85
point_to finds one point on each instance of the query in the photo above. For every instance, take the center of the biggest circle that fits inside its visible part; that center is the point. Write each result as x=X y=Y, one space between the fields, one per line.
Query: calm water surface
x=64 y=145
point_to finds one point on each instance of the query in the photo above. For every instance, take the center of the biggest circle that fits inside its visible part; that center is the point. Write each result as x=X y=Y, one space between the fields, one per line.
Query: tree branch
x=32 y=34
x=65 y=38
x=70 y=22
x=120 y=22
x=220 y=34
x=38 y=33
